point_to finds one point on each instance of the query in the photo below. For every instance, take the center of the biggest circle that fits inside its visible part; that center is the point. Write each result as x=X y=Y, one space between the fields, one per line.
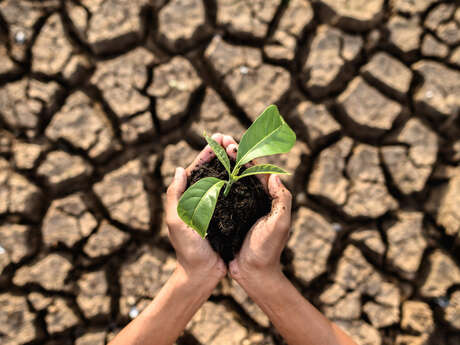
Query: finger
x=280 y=214
x=263 y=178
x=228 y=140
x=205 y=155
x=218 y=137
x=173 y=194
x=232 y=150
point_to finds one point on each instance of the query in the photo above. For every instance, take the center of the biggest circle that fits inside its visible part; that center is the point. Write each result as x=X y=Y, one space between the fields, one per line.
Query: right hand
x=262 y=247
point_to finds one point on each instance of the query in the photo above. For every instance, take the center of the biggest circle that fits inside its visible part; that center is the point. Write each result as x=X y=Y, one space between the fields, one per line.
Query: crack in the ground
x=178 y=127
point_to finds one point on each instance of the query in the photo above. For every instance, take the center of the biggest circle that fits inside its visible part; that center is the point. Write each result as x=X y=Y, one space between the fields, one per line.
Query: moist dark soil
x=237 y=212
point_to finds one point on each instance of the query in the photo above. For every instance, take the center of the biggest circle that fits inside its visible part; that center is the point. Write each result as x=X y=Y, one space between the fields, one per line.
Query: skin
x=199 y=269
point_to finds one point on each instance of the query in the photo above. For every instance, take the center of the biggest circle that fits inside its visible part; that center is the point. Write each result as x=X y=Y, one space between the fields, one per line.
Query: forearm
x=162 y=322
x=299 y=322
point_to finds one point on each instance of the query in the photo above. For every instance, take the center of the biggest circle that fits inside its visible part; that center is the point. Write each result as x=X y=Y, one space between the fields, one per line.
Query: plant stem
x=232 y=178
x=228 y=186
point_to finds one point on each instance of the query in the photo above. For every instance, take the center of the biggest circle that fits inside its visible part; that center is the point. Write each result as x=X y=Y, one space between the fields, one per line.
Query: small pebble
x=337 y=227
x=443 y=301
x=429 y=94
x=2 y=250
x=173 y=83
x=133 y=313
x=20 y=37
x=244 y=70
x=301 y=198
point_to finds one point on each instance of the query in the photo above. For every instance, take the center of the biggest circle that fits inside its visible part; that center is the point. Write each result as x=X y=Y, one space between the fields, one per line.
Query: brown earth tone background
x=101 y=99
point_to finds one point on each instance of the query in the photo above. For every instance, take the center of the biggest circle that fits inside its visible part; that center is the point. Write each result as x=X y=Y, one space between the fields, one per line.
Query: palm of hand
x=193 y=253
x=265 y=241
x=191 y=248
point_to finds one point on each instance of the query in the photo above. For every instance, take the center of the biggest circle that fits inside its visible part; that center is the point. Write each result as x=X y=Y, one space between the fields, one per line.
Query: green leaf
x=262 y=169
x=198 y=202
x=220 y=152
x=268 y=135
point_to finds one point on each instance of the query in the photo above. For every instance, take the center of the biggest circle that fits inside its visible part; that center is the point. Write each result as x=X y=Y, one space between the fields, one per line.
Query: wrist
x=197 y=278
x=267 y=290
x=252 y=280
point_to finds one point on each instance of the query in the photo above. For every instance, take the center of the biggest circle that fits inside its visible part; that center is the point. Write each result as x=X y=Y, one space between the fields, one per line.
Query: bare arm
x=257 y=269
x=294 y=317
x=198 y=271
x=163 y=321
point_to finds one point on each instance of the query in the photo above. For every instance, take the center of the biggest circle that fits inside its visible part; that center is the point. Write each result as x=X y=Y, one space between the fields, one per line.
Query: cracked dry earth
x=100 y=100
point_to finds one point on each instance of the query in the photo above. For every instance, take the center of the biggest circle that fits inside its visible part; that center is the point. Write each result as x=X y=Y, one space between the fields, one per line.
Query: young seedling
x=268 y=135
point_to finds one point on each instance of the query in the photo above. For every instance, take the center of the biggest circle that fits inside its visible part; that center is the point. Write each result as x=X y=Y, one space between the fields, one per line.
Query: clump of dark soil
x=235 y=214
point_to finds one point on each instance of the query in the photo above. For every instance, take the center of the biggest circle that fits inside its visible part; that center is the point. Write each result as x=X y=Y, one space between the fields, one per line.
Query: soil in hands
x=235 y=214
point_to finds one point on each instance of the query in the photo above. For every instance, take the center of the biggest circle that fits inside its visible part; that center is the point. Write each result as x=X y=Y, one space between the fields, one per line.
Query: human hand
x=194 y=254
x=261 y=251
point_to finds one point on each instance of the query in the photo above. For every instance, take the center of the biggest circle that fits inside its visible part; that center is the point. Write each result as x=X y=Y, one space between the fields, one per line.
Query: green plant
x=268 y=135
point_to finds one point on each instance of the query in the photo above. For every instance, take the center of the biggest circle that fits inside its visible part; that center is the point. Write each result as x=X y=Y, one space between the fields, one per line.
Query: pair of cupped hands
x=262 y=247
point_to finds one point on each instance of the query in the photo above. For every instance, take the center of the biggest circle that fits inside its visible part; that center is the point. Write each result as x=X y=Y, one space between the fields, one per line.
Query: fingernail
x=215 y=136
x=232 y=147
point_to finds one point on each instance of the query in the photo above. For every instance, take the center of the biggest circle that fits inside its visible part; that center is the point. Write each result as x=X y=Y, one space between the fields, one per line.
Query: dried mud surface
x=100 y=100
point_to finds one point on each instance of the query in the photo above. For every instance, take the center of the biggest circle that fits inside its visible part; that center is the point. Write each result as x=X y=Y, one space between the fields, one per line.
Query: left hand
x=194 y=254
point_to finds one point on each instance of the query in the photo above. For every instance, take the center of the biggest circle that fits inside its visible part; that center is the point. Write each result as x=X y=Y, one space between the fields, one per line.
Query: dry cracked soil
x=101 y=99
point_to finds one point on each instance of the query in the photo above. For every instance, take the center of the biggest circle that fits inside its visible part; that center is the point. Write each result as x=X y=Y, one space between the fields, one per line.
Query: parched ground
x=101 y=99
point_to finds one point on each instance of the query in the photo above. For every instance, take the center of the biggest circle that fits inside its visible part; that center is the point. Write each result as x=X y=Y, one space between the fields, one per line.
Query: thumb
x=276 y=187
x=281 y=203
x=177 y=187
